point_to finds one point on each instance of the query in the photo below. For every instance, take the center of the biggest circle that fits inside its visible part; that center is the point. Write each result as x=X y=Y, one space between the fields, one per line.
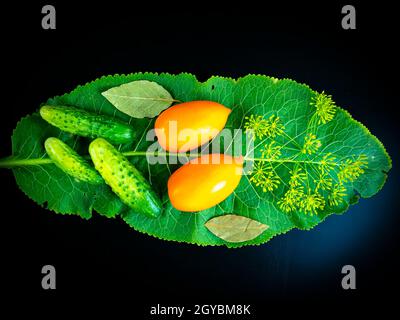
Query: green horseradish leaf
x=139 y=98
x=234 y=228
x=308 y=158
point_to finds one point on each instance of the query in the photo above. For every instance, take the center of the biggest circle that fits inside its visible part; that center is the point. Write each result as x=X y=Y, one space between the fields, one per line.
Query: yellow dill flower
x=311 y=144
x=325 y=107
x=286 y=204
x=324 y=182
x=271 y=151
x=296 y=176
x=350 y=170
x=270 y=183
x=257 y=125
x=261 y=127
x=337 y=194
x=263 y=176
x=312 y=202
x=291 y=199
x=327 y=163
x=259 y=172
x=274 y=126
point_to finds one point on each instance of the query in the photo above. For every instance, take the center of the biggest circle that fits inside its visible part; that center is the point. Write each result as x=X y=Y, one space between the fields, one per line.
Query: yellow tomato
x=188 y=125
x=204 y=182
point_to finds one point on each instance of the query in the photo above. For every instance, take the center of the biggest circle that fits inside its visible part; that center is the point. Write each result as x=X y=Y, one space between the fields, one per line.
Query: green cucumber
x=70 y=162
x=87 y=124
x=124 y=179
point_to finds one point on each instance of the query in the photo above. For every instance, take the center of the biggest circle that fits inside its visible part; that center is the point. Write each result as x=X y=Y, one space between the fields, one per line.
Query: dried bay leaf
x=139 y=99
x=234 y=228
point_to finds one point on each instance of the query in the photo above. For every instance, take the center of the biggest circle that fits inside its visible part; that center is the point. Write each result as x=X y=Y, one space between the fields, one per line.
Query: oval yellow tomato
x=188 y=125
x=204 y=182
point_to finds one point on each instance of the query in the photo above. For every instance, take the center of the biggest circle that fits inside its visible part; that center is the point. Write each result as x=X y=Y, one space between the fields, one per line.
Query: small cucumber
x=87 y=124
x=70 y=162
x=124 y=179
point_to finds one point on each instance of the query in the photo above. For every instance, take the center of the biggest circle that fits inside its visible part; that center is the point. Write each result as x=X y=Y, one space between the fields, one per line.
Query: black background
x=102 y=263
